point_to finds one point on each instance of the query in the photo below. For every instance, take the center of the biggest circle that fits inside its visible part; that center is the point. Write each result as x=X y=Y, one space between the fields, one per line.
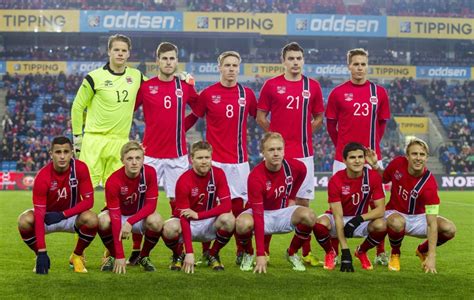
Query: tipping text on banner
x=410 y=125
x=430 y=28
x=39 y=20
x=381 y=71
x=33 y=67
x=263 y=23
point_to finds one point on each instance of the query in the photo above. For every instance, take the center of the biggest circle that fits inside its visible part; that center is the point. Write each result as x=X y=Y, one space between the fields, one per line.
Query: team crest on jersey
x=346 y=190
x=268 y=185
x=306 y=94
x=241 y=101
x=54 y=185
x=108 y=83
x=348 y=97
x=289 y=180
x=194 y=191
x=129 y=80
x=153 y=89
x=397 y=175
x=123 y=190
x=281 y=89
x=216 y=99
x=211 y=188
x=179 y=93
x=374 y=100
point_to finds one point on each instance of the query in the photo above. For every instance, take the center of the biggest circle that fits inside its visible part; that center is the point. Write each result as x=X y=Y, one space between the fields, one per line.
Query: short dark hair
x=293 y=46
x=165 y=47
x=60 y=140
x=119 y=38
x=352 y=146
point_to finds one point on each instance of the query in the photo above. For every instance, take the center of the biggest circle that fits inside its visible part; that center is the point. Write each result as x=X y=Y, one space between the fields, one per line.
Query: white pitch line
x=457 y=203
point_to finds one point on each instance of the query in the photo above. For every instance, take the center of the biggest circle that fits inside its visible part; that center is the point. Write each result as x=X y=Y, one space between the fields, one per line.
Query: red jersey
x=53 y=191
x=207 y=195
x=123 y=197
x=164 y=107
x=357 y=115
x=403 y=185
x=348 y=191
x=291 y=112
x=271 y=191
x=226 y=112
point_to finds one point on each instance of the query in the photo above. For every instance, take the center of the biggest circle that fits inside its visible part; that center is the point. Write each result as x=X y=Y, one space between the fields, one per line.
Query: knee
x=243 y=224
x=448 y=229
x=154 y=222
x=304 y=215
x=228 y=221
x=378 y=225
x=26 y=220
x=89 y=218
x=396 y=223
x=171 y=229
x=104 y=221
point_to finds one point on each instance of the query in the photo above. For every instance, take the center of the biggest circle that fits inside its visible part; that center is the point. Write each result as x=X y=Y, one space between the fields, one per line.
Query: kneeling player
x=202 y=213
x=131 y=195
x=414 y=205
x=349 y=193
x=272 y=184
x=62 y=197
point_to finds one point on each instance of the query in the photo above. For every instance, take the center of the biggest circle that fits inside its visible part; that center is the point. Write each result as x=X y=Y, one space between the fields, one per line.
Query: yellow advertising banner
x=430 y=28
x=377 y=71
x=264 y=23
x=39 y=20
x=410 y=125
x=472 y=73
x=33 y=67
x=263 y=70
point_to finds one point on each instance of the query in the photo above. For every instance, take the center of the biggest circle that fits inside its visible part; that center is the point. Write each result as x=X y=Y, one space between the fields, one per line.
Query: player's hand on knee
x=120 y=266
x=42 y=263
x=77 y=144
x=188 y=263
x=53 y=217
x=351 y=225
x=346 y=261
x=261 y=265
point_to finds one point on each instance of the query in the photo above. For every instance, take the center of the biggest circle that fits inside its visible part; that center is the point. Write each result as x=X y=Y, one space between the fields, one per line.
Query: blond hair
x=130 y=146
x=200 y=145
x=225 y=54
x=268 y=136
x=419 y=142
x=356 y=51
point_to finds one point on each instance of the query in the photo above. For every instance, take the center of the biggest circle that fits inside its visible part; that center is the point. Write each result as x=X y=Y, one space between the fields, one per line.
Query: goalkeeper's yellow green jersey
x=110 y=101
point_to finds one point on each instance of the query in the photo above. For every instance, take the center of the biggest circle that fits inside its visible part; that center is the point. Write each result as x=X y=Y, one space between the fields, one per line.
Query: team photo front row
x=202 y=209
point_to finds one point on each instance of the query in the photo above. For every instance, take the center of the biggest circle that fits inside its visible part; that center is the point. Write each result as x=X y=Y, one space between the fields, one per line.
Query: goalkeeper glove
x=346 y=261
x=77 y=143
x=186 y=77
x=53 y=217
x=351 y=225
x=42 y=263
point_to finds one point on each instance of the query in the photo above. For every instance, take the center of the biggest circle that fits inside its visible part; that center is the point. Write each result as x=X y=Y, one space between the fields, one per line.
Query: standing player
x=202 y=212
x=414 y=205
x=349 y=193
x=164 y=100
x=357 y=111
x=272 y=184
x=62 y=199
x=293 y=96
x=131 y=195
x=108 y=94
x=226 y=105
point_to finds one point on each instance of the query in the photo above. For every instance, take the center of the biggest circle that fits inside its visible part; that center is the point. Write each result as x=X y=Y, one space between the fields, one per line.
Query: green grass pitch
x=455 y=265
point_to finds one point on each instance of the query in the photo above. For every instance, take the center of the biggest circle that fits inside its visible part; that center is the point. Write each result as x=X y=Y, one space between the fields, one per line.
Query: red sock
x=222 y=238
x=372 y=240
x=302 y=234
x=395 y=239
x=86 y=236
x=237 y=209
x=137 y=241
x=306 y=248
x=245 y=241
x=381 y=246
x=29 y=238
x=151 y=239
x=267 y=240
x=423 y=247
x=172 y=205
x=206 y=246
x=322 y=236
x=174 y=245
x=335 y=245
x=107 y=239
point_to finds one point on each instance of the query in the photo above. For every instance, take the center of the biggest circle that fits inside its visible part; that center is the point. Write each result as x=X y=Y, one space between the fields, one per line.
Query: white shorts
x=138 y=227
x=361 y=231
x=277 y=221
x=236 y=175
x=201 y=230
x=168 y=170
x=306 y=190
x=66 y=225
x=339 y=165
x=415 y=225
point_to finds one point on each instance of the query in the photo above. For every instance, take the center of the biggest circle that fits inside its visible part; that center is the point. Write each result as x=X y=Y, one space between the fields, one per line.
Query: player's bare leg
x=244 y=228
x=306 y=255
x=321 y=230
x=225 y=225
x=396 y=232
x=303 y=219
x=171 y=232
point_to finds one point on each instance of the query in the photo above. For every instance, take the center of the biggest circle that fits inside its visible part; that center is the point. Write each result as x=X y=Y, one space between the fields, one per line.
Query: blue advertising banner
x=83 y=67
x=2 y=67
x=336 y=25
x=443 y=72
x=118 y=20
x=206 y=68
